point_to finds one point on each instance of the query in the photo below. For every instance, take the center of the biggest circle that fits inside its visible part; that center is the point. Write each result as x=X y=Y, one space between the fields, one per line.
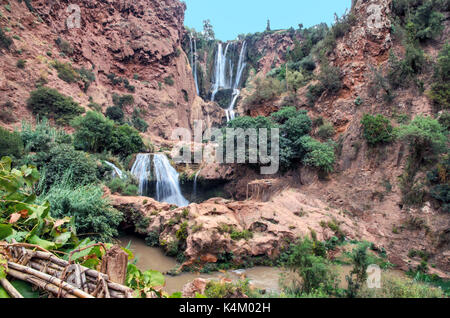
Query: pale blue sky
x=233 y=17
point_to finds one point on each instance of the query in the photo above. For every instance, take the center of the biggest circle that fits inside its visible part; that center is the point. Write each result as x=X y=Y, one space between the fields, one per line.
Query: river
x=153 y=258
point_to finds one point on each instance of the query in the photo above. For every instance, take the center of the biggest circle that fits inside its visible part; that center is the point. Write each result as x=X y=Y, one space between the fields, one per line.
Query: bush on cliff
x=48 y=102
x=377 y=129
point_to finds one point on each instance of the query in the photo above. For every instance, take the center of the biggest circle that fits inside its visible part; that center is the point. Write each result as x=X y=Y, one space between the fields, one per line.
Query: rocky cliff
x=133 y=42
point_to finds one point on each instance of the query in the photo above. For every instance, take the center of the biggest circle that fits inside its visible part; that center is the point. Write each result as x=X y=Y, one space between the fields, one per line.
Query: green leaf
x=5 y=231
x=176 y=295
x=25 y=289
x=42 y=243
x=3 y=293
x=63 y=238
x=153 y=278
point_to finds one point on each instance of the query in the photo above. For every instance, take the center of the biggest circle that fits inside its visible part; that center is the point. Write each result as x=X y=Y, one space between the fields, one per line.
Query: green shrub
x=227 y=290
x=48 y=102
x=397 y=287
x=63 y=162
x=124 y=187
x=401 y=72
x=140 y=124
x=440 y=90
x=125 y=140
x=21 y=63
x=96 y=133
x=244 y=235
x=330 y=78
x=5 y=41
x=10 y=144
x=425 y=135
x=314 y=270
x=87 y=77
x=66 y=72
x=314 y=93
x=326 y=131
x=43 y=136
x=93 y=132
x=377 y=129
x=94 y=216
x=123 y=101
x=169 y=80
x=64 y=46
x=115 y=113
x=318 y=155
x=266 y=90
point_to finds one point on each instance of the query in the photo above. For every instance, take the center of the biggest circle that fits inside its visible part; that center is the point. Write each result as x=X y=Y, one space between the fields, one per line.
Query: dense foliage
x=10 y=144
x=295 y=143
x=93 y=215
x=48 y=102
x=377 y=129
x=96 y=133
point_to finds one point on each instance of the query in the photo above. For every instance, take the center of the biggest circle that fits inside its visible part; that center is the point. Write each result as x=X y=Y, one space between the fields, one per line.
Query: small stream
x=153 y=258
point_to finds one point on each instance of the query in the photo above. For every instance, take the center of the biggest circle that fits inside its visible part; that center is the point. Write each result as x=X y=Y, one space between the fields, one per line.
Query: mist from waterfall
x=142 y=170
x=167 y=182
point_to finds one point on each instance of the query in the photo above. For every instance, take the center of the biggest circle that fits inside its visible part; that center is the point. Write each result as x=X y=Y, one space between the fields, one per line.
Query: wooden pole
x=39 y=283
x=50 y=279
x=10 y=288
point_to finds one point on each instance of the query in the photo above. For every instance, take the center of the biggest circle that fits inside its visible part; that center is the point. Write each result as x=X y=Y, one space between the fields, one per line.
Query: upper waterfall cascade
x=193 y=45
x=167 y=182
x=223 y=75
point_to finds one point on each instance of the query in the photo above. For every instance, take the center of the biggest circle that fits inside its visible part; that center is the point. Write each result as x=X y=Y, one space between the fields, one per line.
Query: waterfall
x=220 y=74
x=193 y=45
x=194 y=190
x=167 y=183
x=116 y=171
x=236 y=92
x=141 y=170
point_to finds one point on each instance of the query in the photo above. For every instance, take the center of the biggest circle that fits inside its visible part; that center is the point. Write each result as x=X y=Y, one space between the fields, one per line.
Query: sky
x=233 y=17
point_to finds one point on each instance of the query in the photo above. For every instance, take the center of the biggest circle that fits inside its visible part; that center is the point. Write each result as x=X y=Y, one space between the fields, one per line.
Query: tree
x=208 y=30
x=358 y=275
x=93 y=132
x=312 y=268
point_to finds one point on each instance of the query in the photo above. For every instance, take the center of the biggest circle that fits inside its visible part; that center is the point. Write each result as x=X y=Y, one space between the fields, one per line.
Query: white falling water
x=194 y=190
x=167 y=182
x=193 y=44
x=141 y=170
x=220 y=75
x=236 y=91
x=116 y=171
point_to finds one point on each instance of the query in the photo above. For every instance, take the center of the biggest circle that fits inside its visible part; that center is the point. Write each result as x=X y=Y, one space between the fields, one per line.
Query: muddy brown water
x=147 y=257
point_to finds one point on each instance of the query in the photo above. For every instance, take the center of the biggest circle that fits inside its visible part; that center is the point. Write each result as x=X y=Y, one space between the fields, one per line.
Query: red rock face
x=136 y=40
